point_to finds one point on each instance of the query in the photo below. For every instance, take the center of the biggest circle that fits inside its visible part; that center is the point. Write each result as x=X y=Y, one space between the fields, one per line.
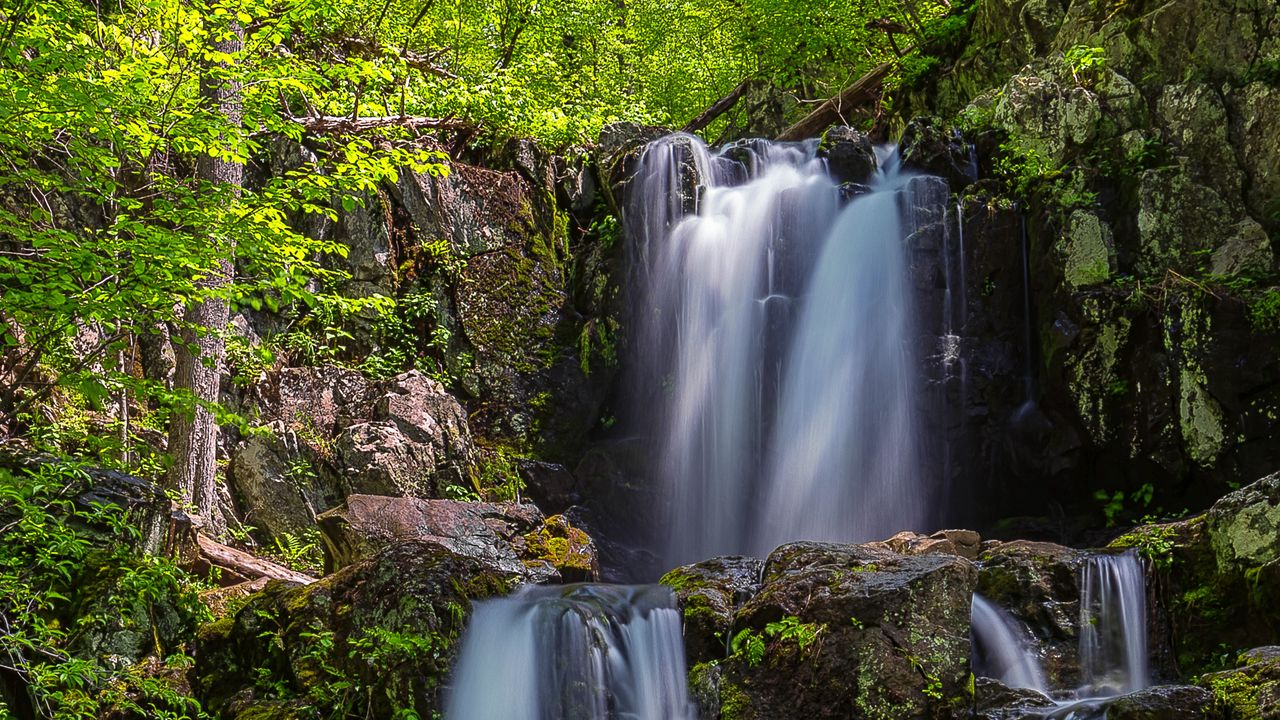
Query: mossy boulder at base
x=850 y=631
x=375 y=639
x=1251 y=690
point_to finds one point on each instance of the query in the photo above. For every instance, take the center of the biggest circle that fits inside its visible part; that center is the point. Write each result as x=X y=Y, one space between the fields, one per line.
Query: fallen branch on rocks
x=864 y=90
x=245 y=566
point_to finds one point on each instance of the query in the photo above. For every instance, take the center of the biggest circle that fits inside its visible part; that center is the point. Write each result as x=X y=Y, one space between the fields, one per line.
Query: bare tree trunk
x=199 y=352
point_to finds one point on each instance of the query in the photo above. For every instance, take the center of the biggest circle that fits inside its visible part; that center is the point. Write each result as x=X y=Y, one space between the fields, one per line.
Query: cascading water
x=1002 y=649
x=775 y=351
x=1113 y=625
x=591 y=652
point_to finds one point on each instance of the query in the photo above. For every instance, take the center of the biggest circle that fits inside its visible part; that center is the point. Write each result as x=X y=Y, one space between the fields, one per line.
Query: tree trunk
x=199 y=352
x=831 y=111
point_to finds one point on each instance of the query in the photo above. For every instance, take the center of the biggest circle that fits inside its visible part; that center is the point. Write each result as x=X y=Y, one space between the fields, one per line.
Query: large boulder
x=1039 y=583
x=710 y=594
x=1244 y=526
x=840 y=631
x=928 y=147
x=513 y=538
x=373 y=640
x=849 y=155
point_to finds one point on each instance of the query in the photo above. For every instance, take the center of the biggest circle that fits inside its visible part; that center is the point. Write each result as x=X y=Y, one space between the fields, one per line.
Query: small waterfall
x=1113 y=625
x=588 y=652
x=1002 y=649
x=773 y=366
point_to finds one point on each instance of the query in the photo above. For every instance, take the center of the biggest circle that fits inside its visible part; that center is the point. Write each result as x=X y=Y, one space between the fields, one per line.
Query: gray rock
x=516 y=539
x=277 y=484
x=934 y=150
x=1166 y=702
x=1255 y=116
x=1244 y=526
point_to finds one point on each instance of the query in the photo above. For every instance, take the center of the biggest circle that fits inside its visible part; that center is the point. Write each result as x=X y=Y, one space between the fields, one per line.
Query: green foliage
x=302 y=554
x=1264 y=311
x=789 y=631
x=1153 y=542
x=1085 y=63
x=69 y=573
x=1118 y=505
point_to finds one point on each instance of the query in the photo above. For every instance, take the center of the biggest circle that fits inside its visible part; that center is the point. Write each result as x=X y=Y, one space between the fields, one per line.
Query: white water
x=776 y=373
x=1002 y=649
x=1113 y=625
x=588 y=652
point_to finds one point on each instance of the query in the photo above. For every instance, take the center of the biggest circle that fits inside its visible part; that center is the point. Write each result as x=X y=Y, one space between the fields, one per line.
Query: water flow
x=774 y=354
x=589 y=652
x=1113 y=625
x=1002 y=649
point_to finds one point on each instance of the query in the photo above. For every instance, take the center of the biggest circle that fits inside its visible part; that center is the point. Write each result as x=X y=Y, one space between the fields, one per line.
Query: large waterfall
x=775 y=368
x=577 y=651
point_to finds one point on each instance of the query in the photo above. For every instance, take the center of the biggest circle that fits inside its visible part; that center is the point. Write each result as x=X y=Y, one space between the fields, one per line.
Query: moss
x=562 y=545
x=735 y=704
x=1236 y=693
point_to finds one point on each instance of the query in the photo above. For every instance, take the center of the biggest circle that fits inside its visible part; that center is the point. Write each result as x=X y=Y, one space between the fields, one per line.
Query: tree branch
x=859 y=93
x=719 y=108
x=346 y=124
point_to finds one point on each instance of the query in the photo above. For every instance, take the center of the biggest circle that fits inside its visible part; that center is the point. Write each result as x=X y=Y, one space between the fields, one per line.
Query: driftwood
x=245 y=566
x=862 y=91
x=346 y=124
x=718 y=108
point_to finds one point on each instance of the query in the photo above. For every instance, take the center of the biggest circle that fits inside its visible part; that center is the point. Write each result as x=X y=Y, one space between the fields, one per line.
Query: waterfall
x=1113 y=625
x=1002 y=649
x=592 y=652
x=776 y=374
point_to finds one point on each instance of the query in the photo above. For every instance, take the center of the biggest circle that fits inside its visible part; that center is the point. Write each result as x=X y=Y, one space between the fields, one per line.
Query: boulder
x=841 y=631
x=929 y=148
x=1255 y=113
x=279 y=491
x=375 y=639
x=1165 y=702
x=1251 y=689
x=516 y=539
x=1244 y=526
x=963 y=543
x=993 y=700
x=1039 y=584
x=710 y=593
x=549 y=485
x=849 y=155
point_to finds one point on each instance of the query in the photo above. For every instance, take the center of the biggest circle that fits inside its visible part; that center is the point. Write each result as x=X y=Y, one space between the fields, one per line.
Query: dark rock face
x=1167 y=702
x=993 y=700
x=710 y=593
x=849 y=155
x=845 y=631
x=927 y=148
x=1039 y=584
x=516 y=539
x=387 y=628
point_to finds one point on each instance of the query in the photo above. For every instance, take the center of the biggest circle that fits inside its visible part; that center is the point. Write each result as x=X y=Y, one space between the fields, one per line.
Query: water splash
x=773 y=365
x=1002 y=649
x=594 y=652
x=1113 y=625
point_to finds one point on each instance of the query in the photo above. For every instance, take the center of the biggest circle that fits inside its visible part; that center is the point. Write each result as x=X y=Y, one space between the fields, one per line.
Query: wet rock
x=962 y=543
x=851 y=631
x=617 y=156
x=849 y=155
x=549 y=485
x=710 y=593
x=514 y=538
x=1039 y=584
x=993 y=700
x=929 y=148
x=386 y=629
x=1165 y=702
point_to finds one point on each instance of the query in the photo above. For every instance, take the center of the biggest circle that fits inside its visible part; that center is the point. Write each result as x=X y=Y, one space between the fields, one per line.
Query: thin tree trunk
x=199 y=352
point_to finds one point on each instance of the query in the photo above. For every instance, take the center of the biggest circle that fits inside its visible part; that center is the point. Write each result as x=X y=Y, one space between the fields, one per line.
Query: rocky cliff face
x=1120 y=302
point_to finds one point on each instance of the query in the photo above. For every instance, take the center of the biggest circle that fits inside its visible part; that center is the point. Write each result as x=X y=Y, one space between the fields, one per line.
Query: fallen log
x=347 y=124
x=830 y=112
x=717 y=108
x=244 y=565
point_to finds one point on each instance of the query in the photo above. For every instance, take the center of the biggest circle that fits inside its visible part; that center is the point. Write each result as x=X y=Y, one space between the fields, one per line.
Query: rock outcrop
x=516 y=539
